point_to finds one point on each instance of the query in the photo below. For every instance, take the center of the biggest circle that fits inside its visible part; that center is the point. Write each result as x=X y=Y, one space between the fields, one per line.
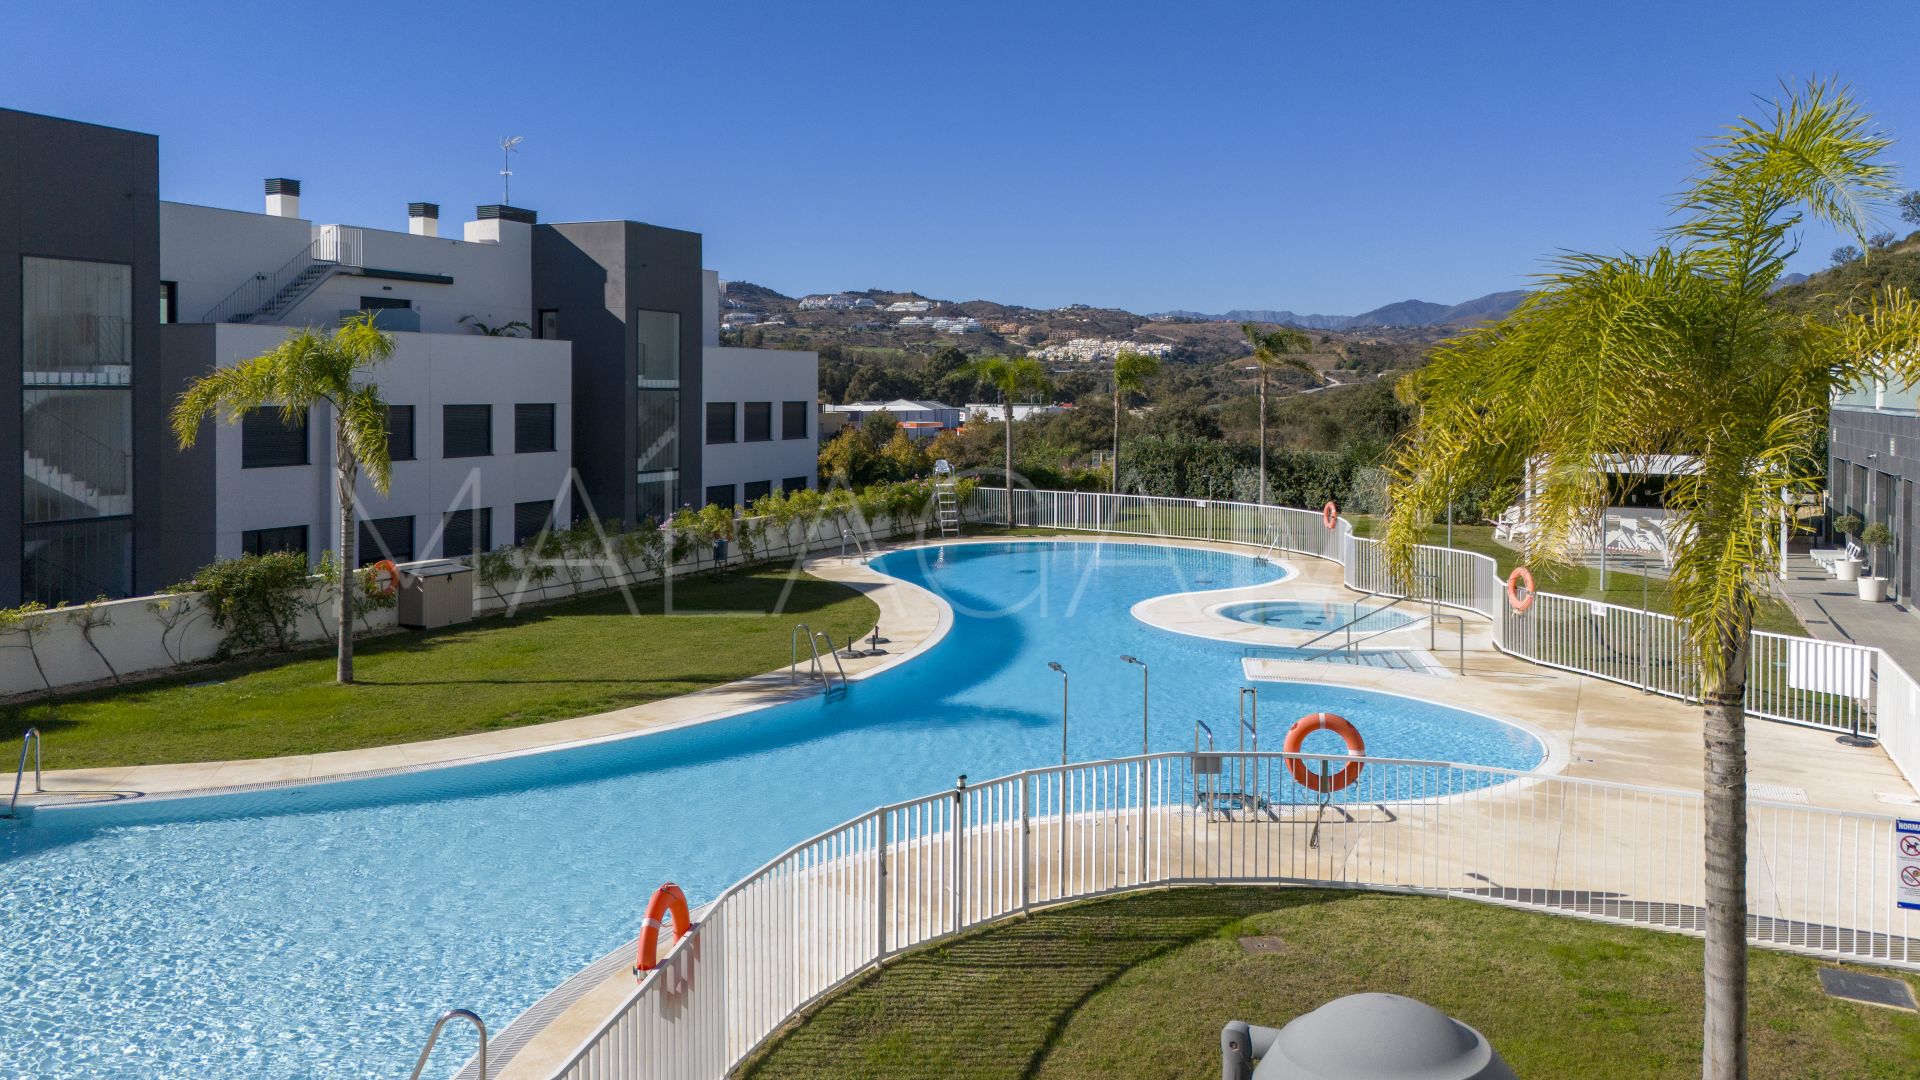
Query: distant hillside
x=1409 y=313
x=1855 y=282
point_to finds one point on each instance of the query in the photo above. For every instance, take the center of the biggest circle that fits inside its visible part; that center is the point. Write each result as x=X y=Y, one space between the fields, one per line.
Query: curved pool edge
x=119 y=785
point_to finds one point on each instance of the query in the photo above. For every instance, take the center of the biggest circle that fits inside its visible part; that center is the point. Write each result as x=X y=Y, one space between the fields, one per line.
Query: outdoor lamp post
x=1063 y=709
x=1143 y=699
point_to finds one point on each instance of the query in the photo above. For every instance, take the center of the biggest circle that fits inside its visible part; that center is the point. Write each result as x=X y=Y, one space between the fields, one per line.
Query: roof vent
x=506 y=213
x=423 y=218
x=283 y=197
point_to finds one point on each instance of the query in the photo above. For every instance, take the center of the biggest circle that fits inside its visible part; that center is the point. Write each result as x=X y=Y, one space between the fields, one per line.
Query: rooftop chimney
x=283 y=197
x=423 y=218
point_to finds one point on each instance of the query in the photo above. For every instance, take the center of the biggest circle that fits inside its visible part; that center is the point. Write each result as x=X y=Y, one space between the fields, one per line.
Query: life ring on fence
x=667 y=898
x=1324 y=721
x=392 y=576
x=1521 y=578
x=1330 y=514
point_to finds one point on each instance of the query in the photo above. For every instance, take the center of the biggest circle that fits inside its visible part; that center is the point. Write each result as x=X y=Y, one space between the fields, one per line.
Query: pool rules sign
x=1906 y=864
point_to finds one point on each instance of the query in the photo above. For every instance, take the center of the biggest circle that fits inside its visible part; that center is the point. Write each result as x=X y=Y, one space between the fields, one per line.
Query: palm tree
x=1131 y=370
x=1273 y=350
x=1679 y=352
x=301 y=372
x=1013 y=377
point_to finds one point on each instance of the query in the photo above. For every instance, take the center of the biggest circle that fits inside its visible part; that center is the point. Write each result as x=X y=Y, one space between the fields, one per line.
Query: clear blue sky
x=1325 y=157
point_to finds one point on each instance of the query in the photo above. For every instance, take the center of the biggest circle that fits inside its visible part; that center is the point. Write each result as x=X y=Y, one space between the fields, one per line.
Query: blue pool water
x=1312 y=615
x=316 y=931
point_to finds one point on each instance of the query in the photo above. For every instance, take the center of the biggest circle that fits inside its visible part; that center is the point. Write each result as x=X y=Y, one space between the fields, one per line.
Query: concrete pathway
x=1833 y=611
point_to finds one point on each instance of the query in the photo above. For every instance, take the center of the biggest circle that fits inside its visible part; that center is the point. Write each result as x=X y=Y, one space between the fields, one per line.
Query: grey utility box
x=436 y=594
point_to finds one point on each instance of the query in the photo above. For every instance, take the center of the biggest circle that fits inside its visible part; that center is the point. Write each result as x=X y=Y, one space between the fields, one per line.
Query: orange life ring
x=666 y=898
x=1322 y=721
x=1330 y=514
x=392 y=576
x=1520 y=578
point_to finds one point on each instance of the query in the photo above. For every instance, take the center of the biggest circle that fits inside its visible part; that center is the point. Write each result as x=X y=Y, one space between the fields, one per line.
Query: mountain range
x=1404 y=313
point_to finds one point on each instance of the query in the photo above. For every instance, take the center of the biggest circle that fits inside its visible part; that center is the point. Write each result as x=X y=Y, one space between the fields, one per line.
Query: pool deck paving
x=1593 y=730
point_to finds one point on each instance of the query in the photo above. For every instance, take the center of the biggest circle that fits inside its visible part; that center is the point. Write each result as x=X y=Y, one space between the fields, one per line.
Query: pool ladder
x=30 y=740
x=479 y=1025
x=818 y=670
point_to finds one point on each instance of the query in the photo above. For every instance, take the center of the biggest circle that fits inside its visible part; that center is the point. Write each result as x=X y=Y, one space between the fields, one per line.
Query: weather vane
x=507 y=147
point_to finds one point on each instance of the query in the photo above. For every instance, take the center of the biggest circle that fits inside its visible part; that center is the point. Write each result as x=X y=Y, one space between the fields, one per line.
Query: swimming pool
x=1312 y=615
x=315 y=931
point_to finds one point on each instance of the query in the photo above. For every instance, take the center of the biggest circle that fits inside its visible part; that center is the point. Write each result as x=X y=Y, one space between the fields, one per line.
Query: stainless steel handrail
x=1348 y=625
x=793 y=665
x=831 y=651
x=31 y=738
x=434 y=1036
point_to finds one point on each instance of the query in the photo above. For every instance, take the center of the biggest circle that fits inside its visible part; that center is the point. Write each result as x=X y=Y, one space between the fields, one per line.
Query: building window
x=466 y=431
x=657 y=340
x=659 y=430
x=530 y=519
x=74 y=322
x=759 y=421
x=384 y=303
x=78 y=462
x=400 y=433
x=793 y=483
x=656 y=496
x=533 y=429
x=169 y=302
x=720 y=422
x=793 y=419
x=386 y=538
x=75 y=561
x=289 y=538
x=466 y=531
x=757 y=490
x=548 y=324
x=268 y=440
x=720 y=495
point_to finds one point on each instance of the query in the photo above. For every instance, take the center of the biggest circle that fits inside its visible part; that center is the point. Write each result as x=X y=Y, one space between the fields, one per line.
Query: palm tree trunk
x=343 y=613
x=1725 y=1054
x=1116 y=438
x=1263 y=436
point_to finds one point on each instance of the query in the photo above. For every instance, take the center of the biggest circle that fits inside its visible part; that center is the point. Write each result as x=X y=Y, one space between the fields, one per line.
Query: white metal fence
x=1796 y=680
x=906 y=874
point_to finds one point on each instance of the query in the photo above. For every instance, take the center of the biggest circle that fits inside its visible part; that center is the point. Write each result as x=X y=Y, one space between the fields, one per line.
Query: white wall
x=210 y=252
x=155 y=633
x=773 y=375
x=426 y=371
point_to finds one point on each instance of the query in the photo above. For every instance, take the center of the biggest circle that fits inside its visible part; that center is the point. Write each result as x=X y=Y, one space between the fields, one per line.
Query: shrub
x=1847 y=524
x=254 y=598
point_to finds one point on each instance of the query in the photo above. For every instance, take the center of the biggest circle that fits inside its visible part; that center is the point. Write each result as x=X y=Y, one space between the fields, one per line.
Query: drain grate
x=1777 y=792
x=1871 y=989
x=1263 y=946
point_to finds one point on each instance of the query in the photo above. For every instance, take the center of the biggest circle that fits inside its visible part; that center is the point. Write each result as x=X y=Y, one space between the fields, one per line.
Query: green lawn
x=569 y=659
x=1139 y=986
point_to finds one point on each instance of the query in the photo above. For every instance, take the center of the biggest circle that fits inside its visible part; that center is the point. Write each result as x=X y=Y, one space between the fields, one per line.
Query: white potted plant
x=1846 y=569
x=1872 y=585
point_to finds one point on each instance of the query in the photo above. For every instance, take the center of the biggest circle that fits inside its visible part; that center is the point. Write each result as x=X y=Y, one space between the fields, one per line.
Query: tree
x=1845 y=254
x=1013 y=377
x=1273 y=350
x=1910 y=208
x=1881 y=241
x=1131 y=370
x=301 y=373
x=1679 y=352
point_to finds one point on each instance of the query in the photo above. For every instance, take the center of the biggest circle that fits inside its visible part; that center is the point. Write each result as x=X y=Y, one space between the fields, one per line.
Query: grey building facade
x=80 y=309
x=628 y=296
x=1873 y=449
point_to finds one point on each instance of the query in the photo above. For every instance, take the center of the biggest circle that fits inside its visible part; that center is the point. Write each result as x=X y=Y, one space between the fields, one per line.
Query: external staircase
x=268 y=297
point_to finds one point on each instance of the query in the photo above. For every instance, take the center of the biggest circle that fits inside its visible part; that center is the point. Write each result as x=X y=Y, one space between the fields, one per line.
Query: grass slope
x=1139 y=986
x=569 y=659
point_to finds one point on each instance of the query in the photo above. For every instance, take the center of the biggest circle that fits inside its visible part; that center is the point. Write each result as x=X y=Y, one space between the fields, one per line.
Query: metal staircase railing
x=265 y=297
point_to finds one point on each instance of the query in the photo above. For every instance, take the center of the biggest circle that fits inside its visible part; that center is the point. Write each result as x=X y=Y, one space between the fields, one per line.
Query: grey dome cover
x=1381 y=1037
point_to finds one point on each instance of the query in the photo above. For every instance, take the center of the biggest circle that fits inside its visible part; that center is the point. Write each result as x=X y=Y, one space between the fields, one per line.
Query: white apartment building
x=758 y=416
x=480 y=426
